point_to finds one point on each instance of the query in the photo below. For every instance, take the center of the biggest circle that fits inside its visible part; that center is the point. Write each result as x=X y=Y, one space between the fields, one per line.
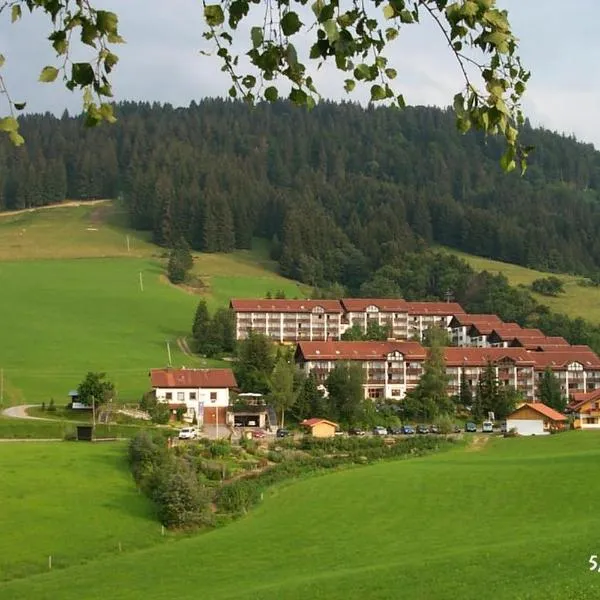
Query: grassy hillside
x=75 y=502
x=456 y=525
x=72 y=301
x=577 y=301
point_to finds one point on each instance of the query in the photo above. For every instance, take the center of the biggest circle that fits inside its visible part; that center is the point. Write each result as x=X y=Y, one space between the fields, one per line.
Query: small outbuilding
x=535 y=418
x=320 y=428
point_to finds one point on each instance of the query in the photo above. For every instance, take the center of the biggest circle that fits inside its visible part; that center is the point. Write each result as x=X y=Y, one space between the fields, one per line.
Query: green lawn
x=72 y=301
x=513 y=520
x=577 y=301
x=73 y=501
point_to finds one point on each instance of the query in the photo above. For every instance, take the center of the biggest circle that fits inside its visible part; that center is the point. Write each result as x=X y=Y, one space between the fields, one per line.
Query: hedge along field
x=498 y=522
x=73 y=501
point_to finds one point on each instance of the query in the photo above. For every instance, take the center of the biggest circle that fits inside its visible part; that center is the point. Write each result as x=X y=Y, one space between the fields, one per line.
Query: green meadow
x=576 y=301
x=507 y=519
x=75 y=297
x=74 y=502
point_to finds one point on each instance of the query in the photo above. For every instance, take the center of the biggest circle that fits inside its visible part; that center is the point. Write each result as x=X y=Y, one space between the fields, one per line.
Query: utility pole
x=1 y=386
x=141 y=282
x=93 y=412
x=127 y=237
x=169 y=352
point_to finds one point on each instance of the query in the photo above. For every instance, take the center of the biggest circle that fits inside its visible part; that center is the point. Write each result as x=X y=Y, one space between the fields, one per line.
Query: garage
x=535 y=418
x=214 y=415
x=256 y=418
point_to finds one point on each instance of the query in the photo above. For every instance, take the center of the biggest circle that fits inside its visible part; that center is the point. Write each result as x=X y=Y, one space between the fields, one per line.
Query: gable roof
x=313 y=422
x=465 y=320
x=558 y=358
x=383 y=304
x=542 y=409
x=580 y=399
x=358 y=350
x=277 y=305
x=471 y=357
x=192 y=378
x=435 y=308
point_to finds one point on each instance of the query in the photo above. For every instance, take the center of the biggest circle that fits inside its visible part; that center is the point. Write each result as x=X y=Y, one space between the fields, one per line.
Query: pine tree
x=201 y=327
x=487 y=392
x=549 y=391
x=465 y=396
x=175 y=270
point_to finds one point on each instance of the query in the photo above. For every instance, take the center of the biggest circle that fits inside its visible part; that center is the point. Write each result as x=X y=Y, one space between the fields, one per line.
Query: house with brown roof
x=285 y=320
x=585 y=409
x=391 y=313
x=202 y=393
x=535 y=418
x=424 y=315
x=460 y=324
x=320 y=428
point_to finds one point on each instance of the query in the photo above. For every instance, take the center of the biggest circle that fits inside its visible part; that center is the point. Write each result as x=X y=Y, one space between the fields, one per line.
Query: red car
x=259 y=434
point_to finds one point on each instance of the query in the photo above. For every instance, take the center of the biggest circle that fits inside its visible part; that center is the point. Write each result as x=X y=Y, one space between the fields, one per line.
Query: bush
x=239 y=496
x=70 y=435
x=51 y=405
x=215 y=471
x=219 y=448
x=146 y=455
x=445 y=424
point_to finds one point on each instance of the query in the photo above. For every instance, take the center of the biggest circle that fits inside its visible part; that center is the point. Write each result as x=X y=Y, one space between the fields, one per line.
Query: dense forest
x=340 y=189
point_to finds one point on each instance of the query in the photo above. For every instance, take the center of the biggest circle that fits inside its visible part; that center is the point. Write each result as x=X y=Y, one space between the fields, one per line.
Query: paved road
x=20 y=412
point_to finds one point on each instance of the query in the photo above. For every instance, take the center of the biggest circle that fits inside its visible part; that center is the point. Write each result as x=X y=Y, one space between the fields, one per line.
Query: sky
x=161 y=61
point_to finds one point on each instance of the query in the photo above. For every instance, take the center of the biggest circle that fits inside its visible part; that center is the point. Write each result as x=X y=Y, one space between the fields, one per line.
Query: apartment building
x=391 y=314
x=576 y=367
x=391 y=368
x=460 y=327
x=423 y=315
x=288 y=320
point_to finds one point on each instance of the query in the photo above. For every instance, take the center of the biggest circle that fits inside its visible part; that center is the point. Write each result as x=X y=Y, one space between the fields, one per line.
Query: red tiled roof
x=383 y=304
x=557 y=359
x=313 y=422
x=435 y=308
x=542 y=409
x=480 y=356
x=468 y=319
x=359 y=350
x=580 y=399
x=482 y=328
x=192 y=378
x=506 y=332
x=277 y=305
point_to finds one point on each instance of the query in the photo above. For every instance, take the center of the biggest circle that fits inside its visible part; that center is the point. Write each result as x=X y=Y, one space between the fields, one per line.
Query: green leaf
x=298 y=97
x=389 y=12
x=9 y=124
x=2 y=60
x=249 y=81
x=213 y=15
x=391 y=34
x=459 y=104
x=401 y=102
x=256 y=33
x=391 y=73
x=20 y=105
x=106 y=21
x=16 y=138
x=82 y=74
x=290 y=23
x=48 y=74
x=406 y=16
x=377 y=93
x=507 y=161
x=106 y=110
x=331 y=29
x=271 y=94
x=15 y=13
x=349 y=85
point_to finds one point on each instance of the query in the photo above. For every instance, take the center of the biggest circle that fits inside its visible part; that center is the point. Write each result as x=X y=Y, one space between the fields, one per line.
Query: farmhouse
x=585 y=408
x=202 y=393
x=320 y=428
x=535 y=418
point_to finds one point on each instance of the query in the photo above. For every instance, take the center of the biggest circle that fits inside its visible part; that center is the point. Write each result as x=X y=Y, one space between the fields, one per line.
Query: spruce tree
x=549 y=391
x=201 y=327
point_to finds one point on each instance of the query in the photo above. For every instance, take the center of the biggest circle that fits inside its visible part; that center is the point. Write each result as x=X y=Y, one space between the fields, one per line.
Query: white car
x=487 y=427
x=187 y=433
x=379 y=430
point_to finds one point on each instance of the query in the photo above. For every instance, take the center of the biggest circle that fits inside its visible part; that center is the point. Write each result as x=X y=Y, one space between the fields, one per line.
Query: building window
x=396 y=393
x=180 y=396
x=213 y=396
x=192 y=395
x=169 y=395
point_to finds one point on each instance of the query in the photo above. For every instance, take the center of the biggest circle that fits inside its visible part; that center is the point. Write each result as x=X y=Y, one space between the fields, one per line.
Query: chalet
x=585 y=409
x=391 y=314
x=460 y=324
x=391 y=368
x=201 y=393
x=535 y=418
x=320 y=428
x=288 y=320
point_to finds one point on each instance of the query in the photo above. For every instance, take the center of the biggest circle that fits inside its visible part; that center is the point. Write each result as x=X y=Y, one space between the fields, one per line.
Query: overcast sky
x=161 y=61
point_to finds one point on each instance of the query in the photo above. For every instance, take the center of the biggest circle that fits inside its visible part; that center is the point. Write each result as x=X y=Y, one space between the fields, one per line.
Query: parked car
x=188 y=433
x=379 y=430
x=259 y=434
x=487 y=427
x=356 y=431
x=339 y=432
x=470 y=427
x=282 y=433
x=394 y=430
x=408 y=430
x=433 y=429
x=422 y=429
x=457 y=429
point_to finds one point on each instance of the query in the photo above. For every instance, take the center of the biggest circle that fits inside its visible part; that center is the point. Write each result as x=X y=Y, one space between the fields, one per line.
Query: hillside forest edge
x=354 y=200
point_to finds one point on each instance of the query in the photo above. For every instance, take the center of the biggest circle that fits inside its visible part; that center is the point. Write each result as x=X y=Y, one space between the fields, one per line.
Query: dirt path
x=10 y=213
x=20 y=412
x=478 y=443
x=184 y=346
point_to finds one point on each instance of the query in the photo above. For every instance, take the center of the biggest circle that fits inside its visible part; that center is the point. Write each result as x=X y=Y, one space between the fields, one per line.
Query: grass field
x=514 y=520
x=72 y=301
x=72 y=501
x=577 y=301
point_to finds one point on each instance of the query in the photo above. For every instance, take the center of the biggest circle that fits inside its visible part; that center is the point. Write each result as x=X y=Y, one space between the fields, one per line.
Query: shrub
x=145 y=455
x=239 y=496
x=219 y=448
x=43 y=406
x=51 y=405
x=160 y=414
x=70 y=435
x=215 y=471
x=445 y=424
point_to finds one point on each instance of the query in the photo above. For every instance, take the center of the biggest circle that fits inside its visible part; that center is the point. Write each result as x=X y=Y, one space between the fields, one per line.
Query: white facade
x=195 y=399
x=527 y=426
